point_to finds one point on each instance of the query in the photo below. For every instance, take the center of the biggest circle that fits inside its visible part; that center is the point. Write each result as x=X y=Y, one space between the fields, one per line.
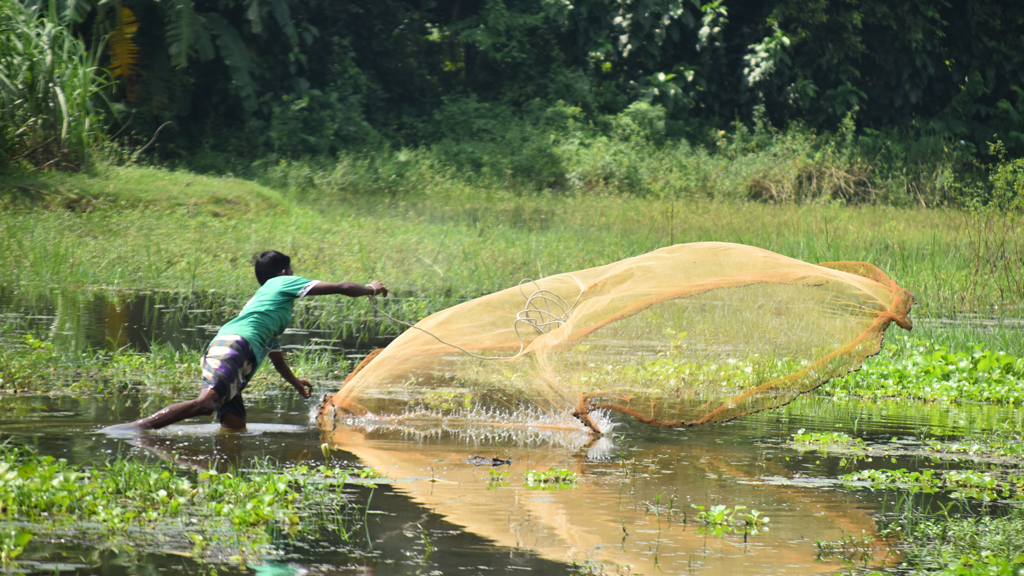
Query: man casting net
x=682 y=336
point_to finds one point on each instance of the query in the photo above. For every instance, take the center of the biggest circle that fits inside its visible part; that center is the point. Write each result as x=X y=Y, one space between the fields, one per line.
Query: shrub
x=50 y=91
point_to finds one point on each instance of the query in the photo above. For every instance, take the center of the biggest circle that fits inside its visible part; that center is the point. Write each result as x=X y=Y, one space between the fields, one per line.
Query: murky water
x=632 y=511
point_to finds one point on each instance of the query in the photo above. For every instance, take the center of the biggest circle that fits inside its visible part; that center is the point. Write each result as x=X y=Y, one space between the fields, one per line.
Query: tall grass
x=630 y=154
x=440 y=240
x=49 y=88
x=956 y=541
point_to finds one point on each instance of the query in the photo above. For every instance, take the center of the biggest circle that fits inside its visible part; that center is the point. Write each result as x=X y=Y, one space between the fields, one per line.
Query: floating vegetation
x=719 y=519
x=932 y=372
x=155 y=508
x=12 y=544
x=998 y=446
x=957 y=483
x=552 y=479
x=825 y=440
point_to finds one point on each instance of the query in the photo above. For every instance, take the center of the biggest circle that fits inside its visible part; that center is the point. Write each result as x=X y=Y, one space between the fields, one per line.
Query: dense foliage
x=289 y=78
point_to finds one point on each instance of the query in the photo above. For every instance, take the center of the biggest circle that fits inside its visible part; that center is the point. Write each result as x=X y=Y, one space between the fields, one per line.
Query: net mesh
x=682 y=336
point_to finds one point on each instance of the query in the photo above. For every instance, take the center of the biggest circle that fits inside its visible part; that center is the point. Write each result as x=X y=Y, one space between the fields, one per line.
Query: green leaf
x=284 y=20
x=187 y=34
x=253 y=13
x=23 y=537
x=236 y=55
x=73 y=11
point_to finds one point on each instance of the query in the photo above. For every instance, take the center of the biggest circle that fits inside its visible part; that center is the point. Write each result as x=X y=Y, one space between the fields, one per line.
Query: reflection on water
x=636 y=513
x=108 y=320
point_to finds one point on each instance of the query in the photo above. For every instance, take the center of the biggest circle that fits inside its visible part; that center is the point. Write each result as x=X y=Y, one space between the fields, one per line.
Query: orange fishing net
x=684 y=335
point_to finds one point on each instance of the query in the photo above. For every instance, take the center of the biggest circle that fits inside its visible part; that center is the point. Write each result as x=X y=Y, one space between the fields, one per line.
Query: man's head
x=271 y=264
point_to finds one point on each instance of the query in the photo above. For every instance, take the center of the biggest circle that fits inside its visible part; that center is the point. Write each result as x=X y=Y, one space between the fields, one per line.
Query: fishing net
x=682 y=336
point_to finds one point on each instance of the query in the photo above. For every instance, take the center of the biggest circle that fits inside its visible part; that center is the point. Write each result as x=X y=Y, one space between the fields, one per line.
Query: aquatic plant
x=849 y=549
x=194 y=512
x=667 y=509
x=551 y=479
x=12 y=544
x=825 y=440
x=497 y=478
x=988 y=567
x=980 y=485
x=956 y=541
x=719 y=519
x=931 y=372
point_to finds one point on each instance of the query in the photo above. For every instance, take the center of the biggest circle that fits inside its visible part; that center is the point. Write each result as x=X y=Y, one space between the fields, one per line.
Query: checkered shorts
x=227 y=367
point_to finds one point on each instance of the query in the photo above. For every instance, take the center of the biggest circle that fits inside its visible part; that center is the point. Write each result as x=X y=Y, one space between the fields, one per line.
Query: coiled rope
x=544 y=312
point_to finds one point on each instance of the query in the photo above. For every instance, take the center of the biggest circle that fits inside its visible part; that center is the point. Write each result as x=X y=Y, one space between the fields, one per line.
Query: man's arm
x=301 y=385
x=353 y=289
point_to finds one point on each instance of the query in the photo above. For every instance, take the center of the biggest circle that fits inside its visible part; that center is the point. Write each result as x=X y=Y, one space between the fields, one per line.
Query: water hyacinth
x=160 y=507
x=932 y=372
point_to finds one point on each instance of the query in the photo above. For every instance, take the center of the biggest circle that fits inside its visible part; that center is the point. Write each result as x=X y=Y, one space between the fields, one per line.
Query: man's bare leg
x=204 y=405
x=232 y=421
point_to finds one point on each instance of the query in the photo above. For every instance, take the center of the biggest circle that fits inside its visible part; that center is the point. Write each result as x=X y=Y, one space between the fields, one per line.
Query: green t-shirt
x=267 y=314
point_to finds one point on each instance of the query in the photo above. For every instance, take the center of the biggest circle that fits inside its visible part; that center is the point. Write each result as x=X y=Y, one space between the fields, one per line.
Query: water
x=633 y=510
x=110 y=320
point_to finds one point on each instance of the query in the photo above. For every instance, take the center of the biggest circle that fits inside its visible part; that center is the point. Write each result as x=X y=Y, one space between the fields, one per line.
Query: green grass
x=437 y=238
x=443 y=240
x=137 y=187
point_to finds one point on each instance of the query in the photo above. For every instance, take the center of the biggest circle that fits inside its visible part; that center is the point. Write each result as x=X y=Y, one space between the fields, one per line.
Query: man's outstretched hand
x=303 y=387
x=378 y=288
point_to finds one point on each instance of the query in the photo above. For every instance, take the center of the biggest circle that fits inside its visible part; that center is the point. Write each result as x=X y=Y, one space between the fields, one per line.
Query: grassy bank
x=442 y=239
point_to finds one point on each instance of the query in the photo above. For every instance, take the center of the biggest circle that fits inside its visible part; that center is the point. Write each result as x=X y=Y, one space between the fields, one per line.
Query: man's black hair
x=269 y=265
